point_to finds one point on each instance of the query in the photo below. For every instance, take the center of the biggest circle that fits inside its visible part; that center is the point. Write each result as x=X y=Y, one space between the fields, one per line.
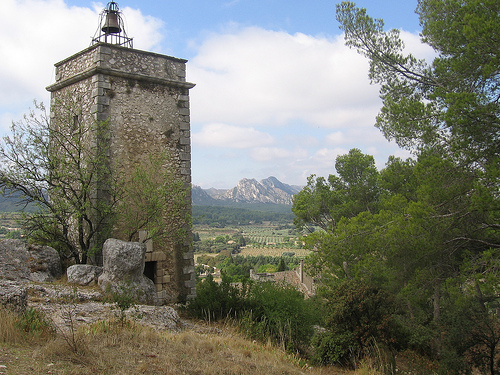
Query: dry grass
x=108 y=348
x=8 y=330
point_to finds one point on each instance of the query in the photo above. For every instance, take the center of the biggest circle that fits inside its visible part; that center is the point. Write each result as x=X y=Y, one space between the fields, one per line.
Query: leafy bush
x=471 y=336
x=214 y=302
x=333 y=347
x=34 y=322
x=123 y=301
x=265 y=311
x=356 y=316
x=278 y=313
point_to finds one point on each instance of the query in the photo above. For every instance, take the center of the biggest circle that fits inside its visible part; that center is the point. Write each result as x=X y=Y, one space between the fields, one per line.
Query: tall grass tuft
x=9 y=333
x=31 y=325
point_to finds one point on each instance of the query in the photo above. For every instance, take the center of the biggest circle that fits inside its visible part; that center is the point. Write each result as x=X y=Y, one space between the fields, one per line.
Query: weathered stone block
x=123 y=267
x=83 y=274
x=13 y=296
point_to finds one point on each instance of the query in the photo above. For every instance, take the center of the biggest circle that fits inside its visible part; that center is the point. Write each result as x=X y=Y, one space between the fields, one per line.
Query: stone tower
x=144 y=98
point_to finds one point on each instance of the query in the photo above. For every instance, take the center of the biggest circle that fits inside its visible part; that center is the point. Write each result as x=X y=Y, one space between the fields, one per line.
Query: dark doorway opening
x=150 y=270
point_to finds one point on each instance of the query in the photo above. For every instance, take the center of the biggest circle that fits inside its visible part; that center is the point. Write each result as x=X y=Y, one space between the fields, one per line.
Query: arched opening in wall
x=150 y=270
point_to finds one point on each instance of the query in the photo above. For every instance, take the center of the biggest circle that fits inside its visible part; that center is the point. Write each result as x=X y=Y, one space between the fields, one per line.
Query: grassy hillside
x=110 y=348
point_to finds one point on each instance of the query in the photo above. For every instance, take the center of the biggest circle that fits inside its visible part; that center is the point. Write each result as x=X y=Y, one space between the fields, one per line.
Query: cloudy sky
x=277 y=93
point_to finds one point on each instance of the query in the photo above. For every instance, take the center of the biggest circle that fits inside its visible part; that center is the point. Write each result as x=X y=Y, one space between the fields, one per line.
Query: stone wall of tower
x=145 y=98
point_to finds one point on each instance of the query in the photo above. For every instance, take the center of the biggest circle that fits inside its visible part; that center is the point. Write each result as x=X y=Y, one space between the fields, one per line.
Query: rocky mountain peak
x=249 y=190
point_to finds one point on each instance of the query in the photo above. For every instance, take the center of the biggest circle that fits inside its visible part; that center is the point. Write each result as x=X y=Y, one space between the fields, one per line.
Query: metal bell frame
x=111 y=27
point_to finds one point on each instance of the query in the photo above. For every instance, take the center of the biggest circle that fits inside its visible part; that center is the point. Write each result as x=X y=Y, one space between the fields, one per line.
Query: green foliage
x=428 y=229
x=334 y=347
x=452 y=102
x=281 y=265
x=356 y=316
x=278 y=313
x=123 y=301
x=147 y=193
x=34 y=323
x=428 y=236
x=219 y=244
x=237 y=268
x=122 y=298
x=13 y=234
x=214 y=302
x=265 y=311
x=323 y=203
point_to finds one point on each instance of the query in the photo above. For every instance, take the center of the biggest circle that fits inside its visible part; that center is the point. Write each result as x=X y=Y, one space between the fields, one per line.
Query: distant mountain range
x=249 y=193
x=269 y=191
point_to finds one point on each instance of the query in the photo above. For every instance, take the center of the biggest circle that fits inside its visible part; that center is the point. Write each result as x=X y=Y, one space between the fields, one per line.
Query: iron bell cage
x=111 y=27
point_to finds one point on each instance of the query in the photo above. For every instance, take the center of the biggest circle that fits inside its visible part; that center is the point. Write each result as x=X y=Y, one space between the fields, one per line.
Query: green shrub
x=278 y=313
x=265 y=311
x=123 y=300
x=356 y=317
x=214 y=302
x=34 y=323
x=334 y=347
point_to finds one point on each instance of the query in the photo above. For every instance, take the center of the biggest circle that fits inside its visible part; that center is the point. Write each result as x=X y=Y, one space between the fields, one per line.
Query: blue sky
x=277 y=92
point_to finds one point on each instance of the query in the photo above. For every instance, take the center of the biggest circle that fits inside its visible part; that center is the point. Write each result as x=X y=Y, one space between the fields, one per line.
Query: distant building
x=297 y=278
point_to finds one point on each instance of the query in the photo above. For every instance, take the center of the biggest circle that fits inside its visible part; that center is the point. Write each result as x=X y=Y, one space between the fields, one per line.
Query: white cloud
x=253 y=76
x=223 y=135
x=272 y=154
x=335 y=138
x=414 y=45
x=321 y=163
x=148 y=31
x=325 y=157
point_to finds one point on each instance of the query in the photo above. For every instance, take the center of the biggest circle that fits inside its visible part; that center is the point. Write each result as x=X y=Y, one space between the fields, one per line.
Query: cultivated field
x=263 y=239
x=271 y=251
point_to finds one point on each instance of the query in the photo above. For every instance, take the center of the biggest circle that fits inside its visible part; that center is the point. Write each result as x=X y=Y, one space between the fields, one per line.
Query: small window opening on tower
x=76 y=123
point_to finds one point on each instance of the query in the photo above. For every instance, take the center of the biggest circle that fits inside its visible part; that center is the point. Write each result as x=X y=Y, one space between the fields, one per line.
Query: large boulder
x=44 y=263
x=83 y=274
x=123 y=271
x=24 y=263
x=14 y=260
x=13 y=296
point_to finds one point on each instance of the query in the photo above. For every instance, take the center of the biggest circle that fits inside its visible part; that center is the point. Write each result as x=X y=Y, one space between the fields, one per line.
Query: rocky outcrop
x=201 y=197
x=44 y=263
x=87 y=307
x=83 y=274
x=22 y=263
x=14 y=261
x=123 y=271
x=269 y=190
x=13 y=296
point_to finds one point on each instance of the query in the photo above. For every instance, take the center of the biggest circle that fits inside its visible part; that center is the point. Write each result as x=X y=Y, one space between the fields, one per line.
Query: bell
x=111 y=25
